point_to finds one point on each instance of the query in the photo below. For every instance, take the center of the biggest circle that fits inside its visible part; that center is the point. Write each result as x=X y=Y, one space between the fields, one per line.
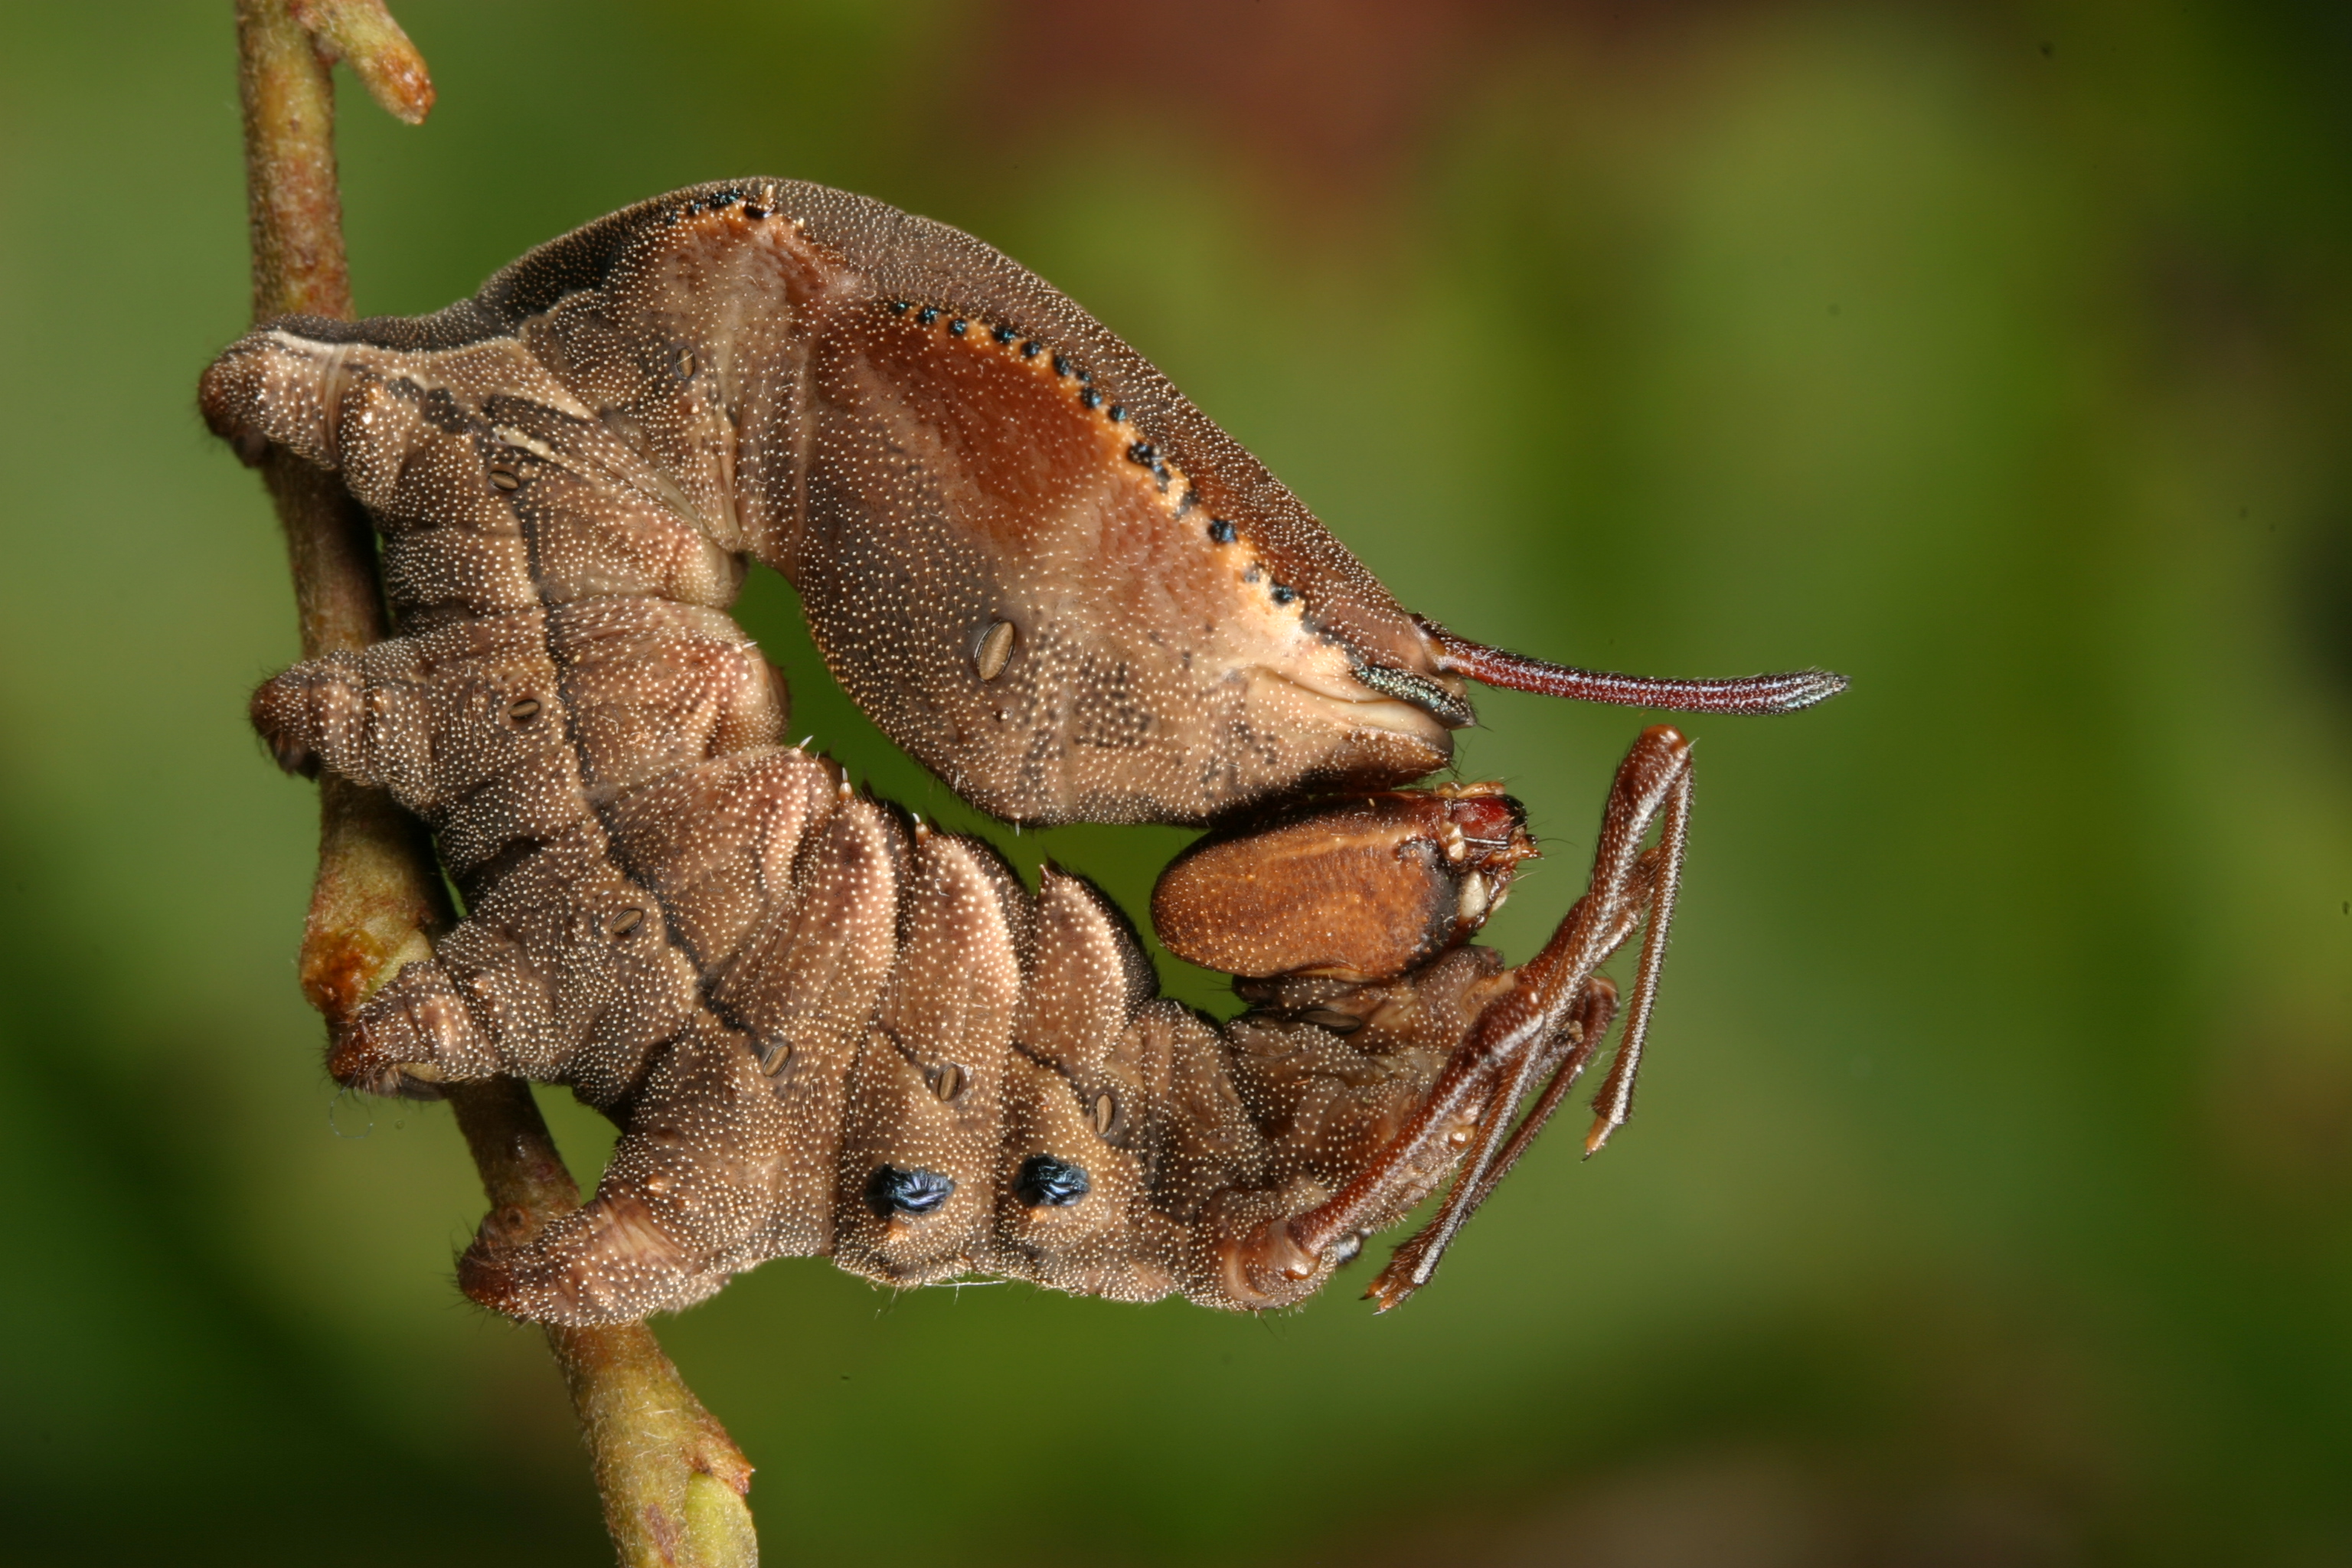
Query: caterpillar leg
x=1548 y=1022
x=412 y=1036
x=460 y=725
x=479 y=726
x=692 y=1183
x=1556 y=1067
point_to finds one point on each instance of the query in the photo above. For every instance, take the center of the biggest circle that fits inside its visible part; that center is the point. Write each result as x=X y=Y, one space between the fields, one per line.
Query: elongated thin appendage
x=1517 y=672
x=1553 y=1023
x=1614 y=1103
x=1470 y=1184
x=1563 y=1060
x=1566 y=1062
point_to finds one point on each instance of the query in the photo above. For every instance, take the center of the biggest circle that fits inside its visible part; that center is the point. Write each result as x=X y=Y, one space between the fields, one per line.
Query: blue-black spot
x=1221 y=531
x=1032 y=349
x=754 y=211
x=1061 y=364
x=1047 y=1183
x=956 y=327
x=899 y=307
x=1118 y=412
x=1004 y=335
x=1283 y=596
x=893 y=1191
x=1143 y=452
x=1091 y=398
x=928 y=314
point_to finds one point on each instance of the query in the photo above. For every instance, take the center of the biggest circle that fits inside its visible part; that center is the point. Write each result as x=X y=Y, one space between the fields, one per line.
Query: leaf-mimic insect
x=822 y=1027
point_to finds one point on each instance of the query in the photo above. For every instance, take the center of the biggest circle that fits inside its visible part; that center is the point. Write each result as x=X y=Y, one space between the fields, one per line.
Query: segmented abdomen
x=827 y=1029
x=823 y=1029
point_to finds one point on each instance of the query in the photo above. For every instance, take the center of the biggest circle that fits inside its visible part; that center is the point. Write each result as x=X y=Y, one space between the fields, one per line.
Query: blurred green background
x=1989 y=1203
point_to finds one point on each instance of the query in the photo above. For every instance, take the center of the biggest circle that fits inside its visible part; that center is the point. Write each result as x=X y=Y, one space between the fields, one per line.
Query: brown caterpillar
x=821 y=1028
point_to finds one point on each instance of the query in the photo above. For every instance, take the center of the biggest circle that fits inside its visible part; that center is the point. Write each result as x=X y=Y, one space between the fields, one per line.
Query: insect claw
x=1396 y=1283
x=1598 y=1138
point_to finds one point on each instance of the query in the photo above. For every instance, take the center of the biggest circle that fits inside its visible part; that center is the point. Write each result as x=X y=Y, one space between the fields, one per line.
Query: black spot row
x=1144 y=455
x=718 y=202
x=1044 y=1183
x=1224 y=532
x=1030 y=348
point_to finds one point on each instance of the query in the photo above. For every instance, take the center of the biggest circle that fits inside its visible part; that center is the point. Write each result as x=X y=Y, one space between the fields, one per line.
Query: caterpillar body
x=822 y=1027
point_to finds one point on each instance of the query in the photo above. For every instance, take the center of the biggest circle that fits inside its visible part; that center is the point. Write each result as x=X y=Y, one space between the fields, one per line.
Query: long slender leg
x=1614 y=1103
x=1564 y=1059
x=1649 y=891
x=1653 y=786
x=1566 y=1049
x=1594 y=1012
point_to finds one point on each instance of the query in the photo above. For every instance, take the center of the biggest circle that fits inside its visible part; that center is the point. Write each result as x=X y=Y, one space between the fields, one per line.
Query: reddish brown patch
x=339 y=967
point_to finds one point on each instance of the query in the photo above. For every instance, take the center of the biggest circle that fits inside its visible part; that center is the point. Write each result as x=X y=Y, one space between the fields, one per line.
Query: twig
x=672 y=1481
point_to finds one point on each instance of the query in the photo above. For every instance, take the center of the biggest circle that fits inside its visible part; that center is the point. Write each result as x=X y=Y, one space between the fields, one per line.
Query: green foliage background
x=1989 y=1203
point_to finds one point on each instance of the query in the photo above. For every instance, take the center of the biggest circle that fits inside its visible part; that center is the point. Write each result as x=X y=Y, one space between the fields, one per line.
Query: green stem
x=672 y=1481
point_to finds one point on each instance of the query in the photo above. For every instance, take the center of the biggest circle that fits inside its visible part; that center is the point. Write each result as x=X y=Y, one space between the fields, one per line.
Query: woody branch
x=671 y=1479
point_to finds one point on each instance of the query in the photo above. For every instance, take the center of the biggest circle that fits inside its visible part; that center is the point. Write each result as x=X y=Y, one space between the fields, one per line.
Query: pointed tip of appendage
x=1802 y=688
x=1598 y=1138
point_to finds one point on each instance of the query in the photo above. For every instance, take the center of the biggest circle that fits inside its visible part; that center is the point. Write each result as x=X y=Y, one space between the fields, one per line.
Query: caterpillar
x=822 y=1027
